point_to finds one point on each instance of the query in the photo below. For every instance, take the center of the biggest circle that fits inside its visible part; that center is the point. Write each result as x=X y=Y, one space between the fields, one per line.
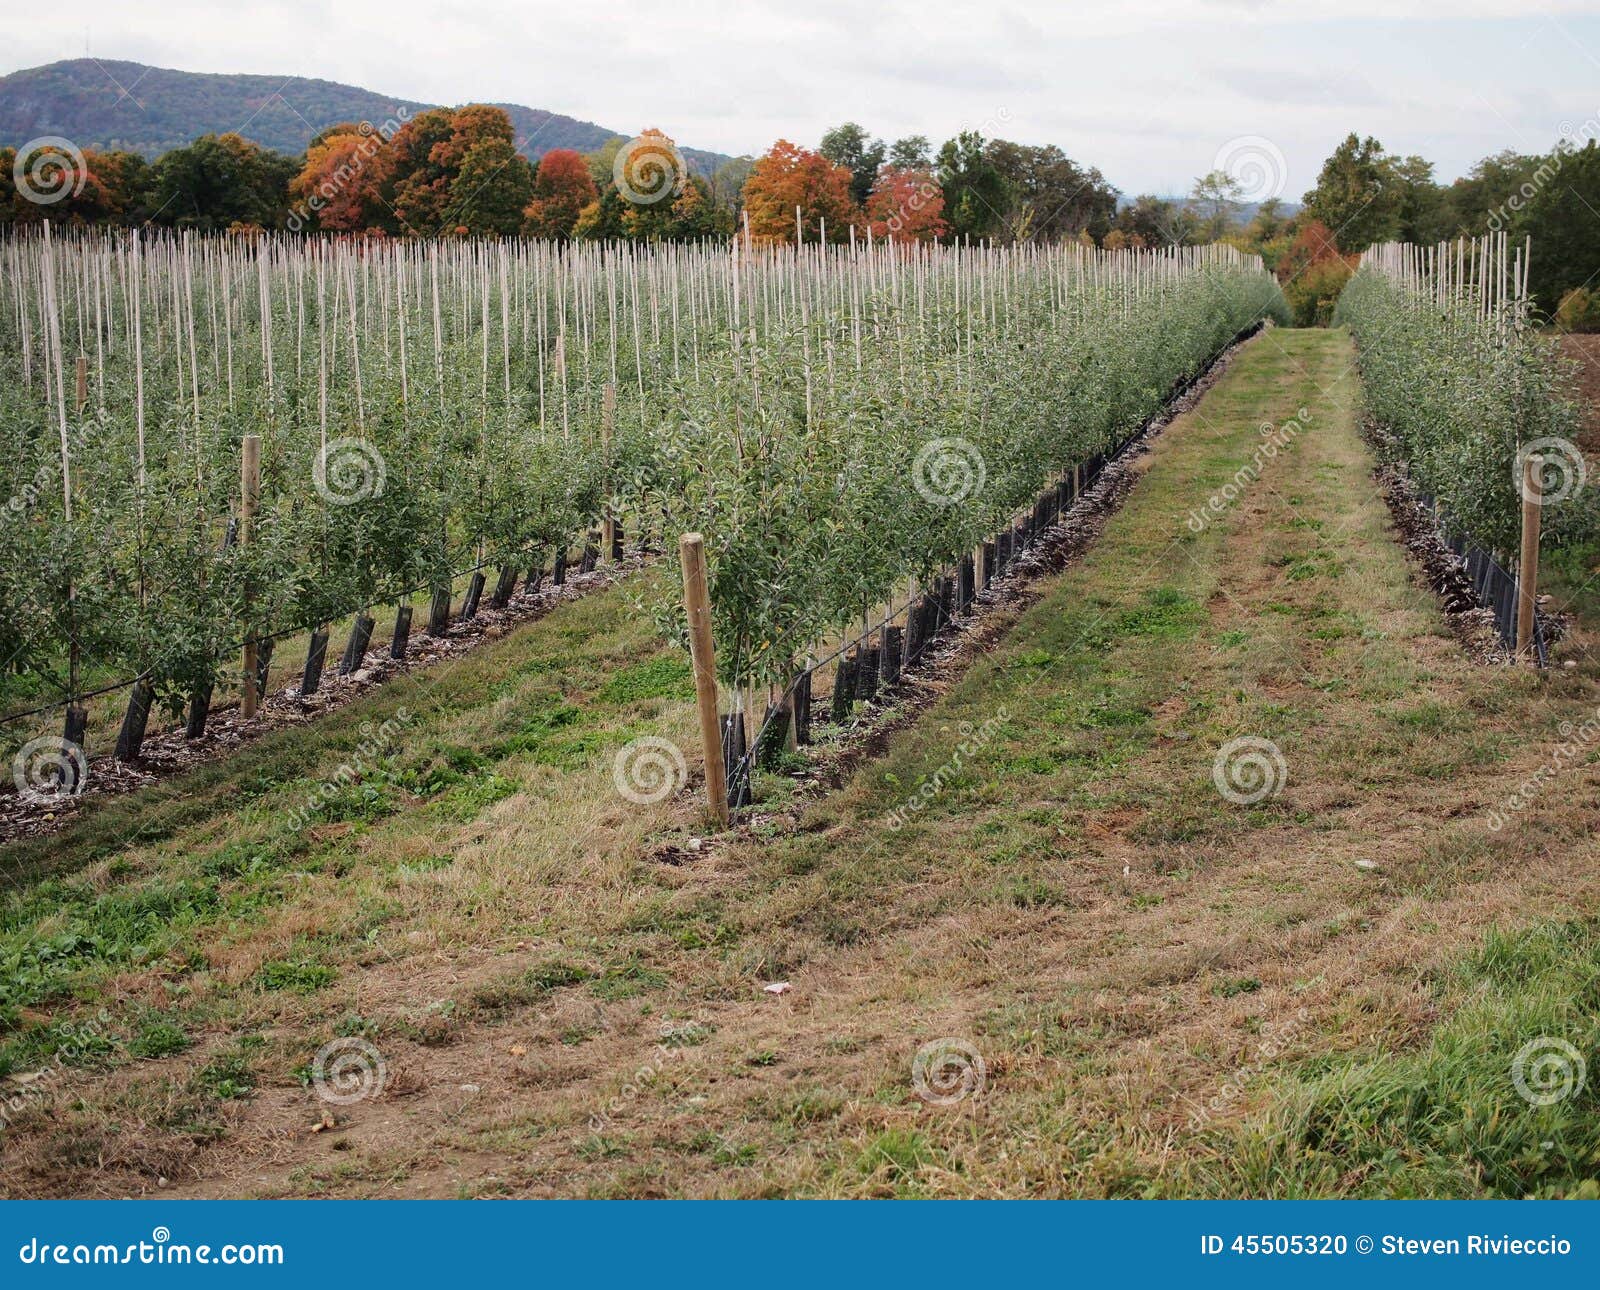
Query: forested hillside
x=130 y=107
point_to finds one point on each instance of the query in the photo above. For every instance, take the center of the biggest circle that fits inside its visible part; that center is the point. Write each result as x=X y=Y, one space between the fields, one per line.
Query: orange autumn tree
x=337 y=188
x=470 y=126
x=90 y=187
x=907 y=205
x=790 y=176
x=562 y=187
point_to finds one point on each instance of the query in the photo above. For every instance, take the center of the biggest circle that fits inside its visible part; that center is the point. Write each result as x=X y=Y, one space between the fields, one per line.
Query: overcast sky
x=1150 y=91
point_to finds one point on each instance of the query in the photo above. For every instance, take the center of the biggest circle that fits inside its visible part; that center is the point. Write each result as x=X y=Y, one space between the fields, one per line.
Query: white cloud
x=1146 y=90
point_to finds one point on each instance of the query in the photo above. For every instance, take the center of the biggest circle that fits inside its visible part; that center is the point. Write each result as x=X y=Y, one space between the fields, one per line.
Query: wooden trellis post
x=697 y=605
x=1528 y=565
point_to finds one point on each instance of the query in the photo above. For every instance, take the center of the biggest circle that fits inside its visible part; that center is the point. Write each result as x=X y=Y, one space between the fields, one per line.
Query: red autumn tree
x=1313 y=272
x=788 y=177
x=1313 y=243
x=907 y=205
x=562 y=187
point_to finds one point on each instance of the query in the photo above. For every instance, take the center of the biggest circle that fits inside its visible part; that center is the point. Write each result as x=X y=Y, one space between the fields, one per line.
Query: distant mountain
x=1247 y=210
x=109 y=104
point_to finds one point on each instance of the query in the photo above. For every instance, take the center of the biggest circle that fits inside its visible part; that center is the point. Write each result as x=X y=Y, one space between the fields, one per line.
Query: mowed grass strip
x=1148 y=968
x=1172 y=992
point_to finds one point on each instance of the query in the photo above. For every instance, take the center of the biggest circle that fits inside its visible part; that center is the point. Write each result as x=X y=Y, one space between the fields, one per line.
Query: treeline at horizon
x=456 y=172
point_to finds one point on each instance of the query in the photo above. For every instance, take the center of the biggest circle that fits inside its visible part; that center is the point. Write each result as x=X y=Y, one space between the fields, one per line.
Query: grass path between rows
x=1171 y=992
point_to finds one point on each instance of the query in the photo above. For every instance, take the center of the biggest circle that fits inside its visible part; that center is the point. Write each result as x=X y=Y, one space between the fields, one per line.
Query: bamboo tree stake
x=400 y=322
x=697 y=605
x=194 y=362
x=355 y=348
x=438 y=331
x=249 y=499
x=505 y=327
x=608 y=420
x=227 y=330
x=138 y=380
x=53 y=357
x=208 y=257
x=76 y=715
